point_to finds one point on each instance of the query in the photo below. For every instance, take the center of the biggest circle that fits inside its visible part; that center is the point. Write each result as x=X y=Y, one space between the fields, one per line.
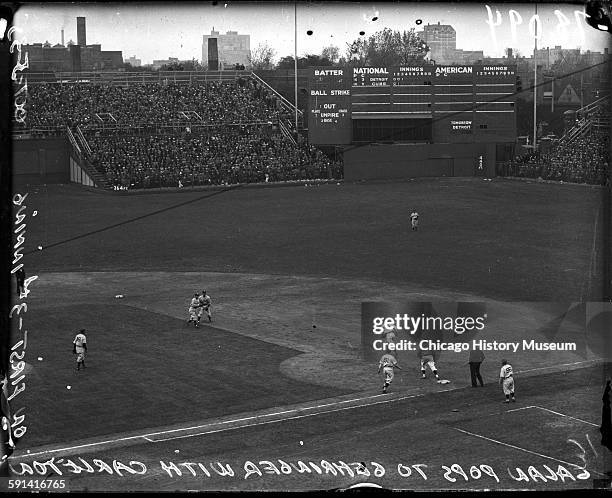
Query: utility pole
x=535 y=80
x=295 y=65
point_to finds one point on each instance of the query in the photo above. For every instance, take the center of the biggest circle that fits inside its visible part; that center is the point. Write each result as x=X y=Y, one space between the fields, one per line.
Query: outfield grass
x=500 y=239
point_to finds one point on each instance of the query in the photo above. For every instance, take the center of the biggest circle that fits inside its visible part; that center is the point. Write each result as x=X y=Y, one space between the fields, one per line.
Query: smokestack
x=81 y=32
x=213 y=55
x=62 y=37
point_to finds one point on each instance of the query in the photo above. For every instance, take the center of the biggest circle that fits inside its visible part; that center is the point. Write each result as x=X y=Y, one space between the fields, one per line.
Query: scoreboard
x=329 y=106
x=425 y=103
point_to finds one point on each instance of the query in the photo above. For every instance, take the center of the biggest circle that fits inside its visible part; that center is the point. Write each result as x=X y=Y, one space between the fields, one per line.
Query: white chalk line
x=147 y=436
x=256 y=417
x=595 y=360
x=284 y=419
x=556 y=413
x=541 y=455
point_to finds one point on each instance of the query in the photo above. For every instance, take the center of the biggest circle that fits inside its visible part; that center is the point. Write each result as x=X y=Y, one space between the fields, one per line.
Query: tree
x=512 y=53
x=308 y=60
x=262 y=58
x=331 y=53
x=388 y=48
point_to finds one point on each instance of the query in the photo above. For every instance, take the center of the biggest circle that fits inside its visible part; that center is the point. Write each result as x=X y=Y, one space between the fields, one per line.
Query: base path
x=321 y=318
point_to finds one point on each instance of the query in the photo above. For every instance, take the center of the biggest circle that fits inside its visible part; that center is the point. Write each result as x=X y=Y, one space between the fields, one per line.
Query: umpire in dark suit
x=476 y=358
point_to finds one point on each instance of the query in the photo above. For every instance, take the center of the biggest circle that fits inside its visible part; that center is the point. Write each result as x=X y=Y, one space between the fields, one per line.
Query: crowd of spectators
x=583 y=160
x=240 y=101
x=167 y=134
x=231 y=155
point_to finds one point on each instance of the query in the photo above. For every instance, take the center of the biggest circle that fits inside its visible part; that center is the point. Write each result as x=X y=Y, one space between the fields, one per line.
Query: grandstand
x=172 y=132
x=581 y=155
x=171 y=129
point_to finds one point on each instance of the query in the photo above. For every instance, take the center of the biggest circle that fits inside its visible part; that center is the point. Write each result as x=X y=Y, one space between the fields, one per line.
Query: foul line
x=526 y=451
x=596 y=360
x=223 y=429
x=147 y=436
x=256 y=417
x=137 y=218
x=556 y=413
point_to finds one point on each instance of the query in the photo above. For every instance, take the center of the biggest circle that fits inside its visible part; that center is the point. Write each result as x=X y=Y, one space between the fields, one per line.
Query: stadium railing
x=122 y=78
x=286 y=106
x=81 y=161
x=286 y=132
x=591 y=116
x=82 y=139
x=169 y=129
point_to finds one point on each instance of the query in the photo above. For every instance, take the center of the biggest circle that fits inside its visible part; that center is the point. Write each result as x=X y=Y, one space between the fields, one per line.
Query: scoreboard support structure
x=411 y=121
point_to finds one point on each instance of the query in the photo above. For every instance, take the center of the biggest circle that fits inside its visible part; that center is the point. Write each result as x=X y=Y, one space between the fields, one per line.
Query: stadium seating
x=154 y=134
x=150 y=103
x=219 y=157
x=585 y=160
x=582 y=155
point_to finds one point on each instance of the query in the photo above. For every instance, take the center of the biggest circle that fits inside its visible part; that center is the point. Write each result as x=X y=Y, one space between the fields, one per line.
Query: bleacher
x=581 y=155
x=178 y=133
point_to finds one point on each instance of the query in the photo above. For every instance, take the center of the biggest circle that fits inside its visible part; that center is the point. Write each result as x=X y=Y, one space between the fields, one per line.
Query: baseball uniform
x=195 y=310
x=507 y=381
x=387 y=363
x=206 y=302
x=80 y=342
x=414 y=218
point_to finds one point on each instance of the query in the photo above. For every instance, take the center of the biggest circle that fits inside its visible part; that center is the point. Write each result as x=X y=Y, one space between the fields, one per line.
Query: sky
x=174 y=29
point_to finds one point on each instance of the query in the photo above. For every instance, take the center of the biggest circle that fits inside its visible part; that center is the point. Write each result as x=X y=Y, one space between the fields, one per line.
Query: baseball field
x=274 y=394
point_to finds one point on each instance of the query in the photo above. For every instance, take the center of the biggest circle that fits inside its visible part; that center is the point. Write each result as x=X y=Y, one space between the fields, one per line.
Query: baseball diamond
x=284 y=267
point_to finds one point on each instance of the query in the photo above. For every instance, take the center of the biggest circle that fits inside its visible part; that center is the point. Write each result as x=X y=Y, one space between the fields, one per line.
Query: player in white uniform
x=390 y=335
x=427 y=359
x=195 y=310
x=507 y=381
x=387 y=364
x=206 y=303
x=414 y=218
x=79 y=348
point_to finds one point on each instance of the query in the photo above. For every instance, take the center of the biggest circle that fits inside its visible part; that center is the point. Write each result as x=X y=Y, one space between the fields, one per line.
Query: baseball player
x=414 y=218
x=79 y=348
x=427 y=359
x=195 y=310
x=507 y=381
x=206 y=303
x=387 y=364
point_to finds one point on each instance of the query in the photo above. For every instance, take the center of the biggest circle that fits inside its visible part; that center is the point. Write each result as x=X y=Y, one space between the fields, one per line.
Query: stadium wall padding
x=40 y=161
x=388 y=161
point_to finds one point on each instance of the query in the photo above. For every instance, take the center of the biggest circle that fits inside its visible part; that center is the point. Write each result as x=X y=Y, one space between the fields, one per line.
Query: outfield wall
x=388 y=161
x=41 y=160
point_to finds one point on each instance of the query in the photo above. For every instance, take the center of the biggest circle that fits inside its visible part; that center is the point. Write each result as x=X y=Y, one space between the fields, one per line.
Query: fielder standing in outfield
x=387 y=364
x=195 y=310
x=79 y=348
x=206 y=303
x=507 y=381
x=414 y=218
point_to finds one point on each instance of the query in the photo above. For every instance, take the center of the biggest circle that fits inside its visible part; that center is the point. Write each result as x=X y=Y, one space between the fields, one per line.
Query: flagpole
x=295 y=64
x=535 y=79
